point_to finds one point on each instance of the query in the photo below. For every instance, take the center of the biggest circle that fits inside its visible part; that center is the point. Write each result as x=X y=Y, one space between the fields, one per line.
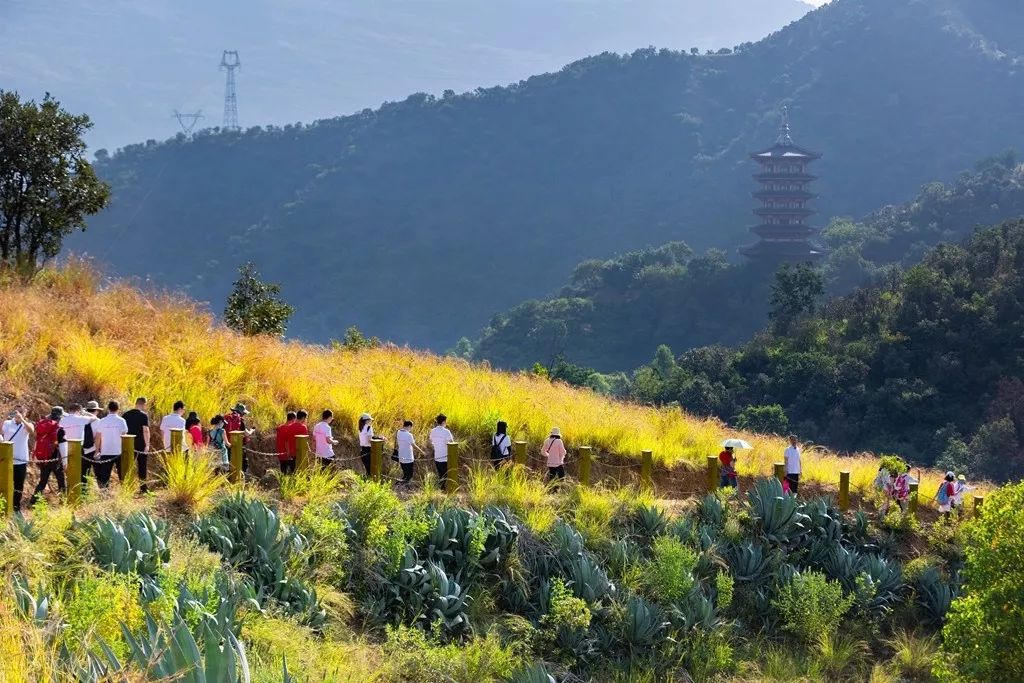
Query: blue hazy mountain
x=129 y=63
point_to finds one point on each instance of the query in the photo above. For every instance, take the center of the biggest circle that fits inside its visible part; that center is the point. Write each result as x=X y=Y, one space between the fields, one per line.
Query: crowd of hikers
x=45 y=443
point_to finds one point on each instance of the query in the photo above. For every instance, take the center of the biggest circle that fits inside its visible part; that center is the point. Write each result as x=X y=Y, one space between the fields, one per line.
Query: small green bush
x=670 y=573
x=566 y=609
x=99 y=603
x=810 y=606
x=412 y=656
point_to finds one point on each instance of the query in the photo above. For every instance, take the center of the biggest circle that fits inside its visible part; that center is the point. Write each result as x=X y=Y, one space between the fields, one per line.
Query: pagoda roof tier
x=791 y=250
x=784 y=194
x=782 y=211
x=785 y=175
x=782 y=150
x=784 y=231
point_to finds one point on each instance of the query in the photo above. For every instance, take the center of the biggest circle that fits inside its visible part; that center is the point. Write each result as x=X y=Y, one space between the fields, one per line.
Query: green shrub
x=724 y=588
x=983 y=632
x=669 y=575
x=99 y=603
x=565 y=609
x=327 y=532
x=810 y=606
x=412 y=656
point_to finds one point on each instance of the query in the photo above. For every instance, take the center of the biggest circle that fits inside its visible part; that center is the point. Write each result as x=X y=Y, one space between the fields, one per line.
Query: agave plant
x=644 y=624
x=696 y=611
x=588 y=580
x=449 y=606
x=33 y=605
x=933 y=596
x=710 y=510
x=138 y=545
x=533 y=673
x=751 y=564
x=778 y=516
x=882 y=580
x=649 y=521
x=501 y=537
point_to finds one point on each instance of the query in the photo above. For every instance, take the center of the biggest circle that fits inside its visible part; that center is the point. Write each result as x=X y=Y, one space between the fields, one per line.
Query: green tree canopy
x=47 y=188
x=255 y=307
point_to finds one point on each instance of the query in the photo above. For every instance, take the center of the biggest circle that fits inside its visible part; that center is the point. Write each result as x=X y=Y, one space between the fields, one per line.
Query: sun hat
x=950 y=474
x=555 y=431
x=56 y=412
x=92 y=405
x=366 y=416
x=962 y=478
x=240 y=409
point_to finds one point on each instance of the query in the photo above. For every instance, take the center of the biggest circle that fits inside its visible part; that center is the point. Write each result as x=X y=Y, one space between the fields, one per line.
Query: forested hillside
x=613 y=314
x=419 y=220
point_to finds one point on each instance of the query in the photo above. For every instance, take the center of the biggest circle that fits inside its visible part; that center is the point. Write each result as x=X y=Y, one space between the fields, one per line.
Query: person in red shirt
x=287 y=444
x=727 y=468
x=49 y=434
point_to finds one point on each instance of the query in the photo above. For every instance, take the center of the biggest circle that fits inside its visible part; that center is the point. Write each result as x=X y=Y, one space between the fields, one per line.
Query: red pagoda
x=784 y=214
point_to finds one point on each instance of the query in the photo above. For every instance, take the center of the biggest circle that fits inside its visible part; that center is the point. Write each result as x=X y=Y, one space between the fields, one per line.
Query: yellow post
x=647 y=469
x=912 y=501
x=519 y=453
x=713 y=477
x=453 y=468
x=977 y=504
x=844 y=491
x=74 y=471
x=235 y=473
x=302 y=459
x=780 y=471
x=177 y=441
x=376 y=458
x=586 y=457
x=7 y=476
x=128 y=478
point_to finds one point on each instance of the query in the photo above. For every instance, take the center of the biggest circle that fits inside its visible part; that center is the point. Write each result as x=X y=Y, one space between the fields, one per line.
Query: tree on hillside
x=255 y=307
x=796 y=292
x=47 y=188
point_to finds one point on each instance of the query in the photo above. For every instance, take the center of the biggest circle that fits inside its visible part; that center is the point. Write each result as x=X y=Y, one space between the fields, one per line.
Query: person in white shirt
x=792 y=458
x=108 y=432
x=365 y=439
x=501 y=445
x=440 y=437
x=17 y=429
x=73 y=423
x=323 y=438
x=175 y=420
x=405 y=442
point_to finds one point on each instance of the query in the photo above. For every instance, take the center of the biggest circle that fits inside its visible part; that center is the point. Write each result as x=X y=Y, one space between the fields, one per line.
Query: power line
x=229 y=61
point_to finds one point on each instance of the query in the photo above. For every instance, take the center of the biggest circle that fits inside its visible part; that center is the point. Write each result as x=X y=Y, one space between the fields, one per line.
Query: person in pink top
x=554 y=450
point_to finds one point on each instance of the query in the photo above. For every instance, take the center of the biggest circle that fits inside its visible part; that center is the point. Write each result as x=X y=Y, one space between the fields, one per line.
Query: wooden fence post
x=912 y=502
x=128 y=477
x=586 y=455
x=235 y=473
x=519 y=453
x=74 y=470
x=713 y=477
x=647 y=469
x=977 y=504
x=7 y=476
x=844 y=491
x=376 y=458
x=177 y=441
x=780 y=471
x=453 y=468
x=302 y=459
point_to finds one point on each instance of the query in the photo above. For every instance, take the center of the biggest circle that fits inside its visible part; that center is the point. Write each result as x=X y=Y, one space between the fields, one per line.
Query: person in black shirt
x=138 y=424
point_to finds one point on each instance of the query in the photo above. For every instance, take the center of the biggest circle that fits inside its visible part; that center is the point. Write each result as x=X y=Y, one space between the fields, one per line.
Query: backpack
x=233 y=423
x=496 y=441
x=943 y=495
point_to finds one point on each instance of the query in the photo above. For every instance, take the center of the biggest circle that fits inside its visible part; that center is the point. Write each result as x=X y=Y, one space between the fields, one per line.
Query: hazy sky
x=130 y=63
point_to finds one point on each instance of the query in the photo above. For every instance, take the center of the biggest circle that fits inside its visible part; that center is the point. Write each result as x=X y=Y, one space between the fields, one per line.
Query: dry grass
x=87 y=346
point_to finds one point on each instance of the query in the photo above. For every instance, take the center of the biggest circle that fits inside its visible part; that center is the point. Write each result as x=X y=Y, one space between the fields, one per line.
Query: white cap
x=365 y=416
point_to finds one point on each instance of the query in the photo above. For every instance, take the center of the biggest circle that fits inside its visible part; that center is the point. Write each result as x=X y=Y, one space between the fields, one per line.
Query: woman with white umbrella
x=727 y=459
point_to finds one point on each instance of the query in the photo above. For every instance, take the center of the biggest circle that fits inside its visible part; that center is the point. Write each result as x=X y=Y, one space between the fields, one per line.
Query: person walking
x=501 y=445
x=727 y=476
x=89 y=455
x=554 y=450
x=440 y=437
x=405 y=442
x=193 y=432
x=174 y=420
x=901 y=488
x=284 y=439
x=137 y=420
x=946 y=495
x=219 y=442
x=793 y=465
x=49 y=434
x=959 y=491
x=234 y=421
x=16 y=430
x=108 y=431
x=365 y=439
x=74 y=424
x=323 y=438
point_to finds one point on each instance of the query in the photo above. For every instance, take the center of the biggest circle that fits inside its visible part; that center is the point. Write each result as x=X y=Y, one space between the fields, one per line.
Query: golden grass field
x=68 y=337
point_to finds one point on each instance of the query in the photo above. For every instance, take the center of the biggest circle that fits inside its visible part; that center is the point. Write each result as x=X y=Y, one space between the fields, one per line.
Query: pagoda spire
x=785 y=138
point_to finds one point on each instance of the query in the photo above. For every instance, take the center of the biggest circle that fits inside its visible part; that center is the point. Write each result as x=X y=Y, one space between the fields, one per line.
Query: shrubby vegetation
x=430 y=588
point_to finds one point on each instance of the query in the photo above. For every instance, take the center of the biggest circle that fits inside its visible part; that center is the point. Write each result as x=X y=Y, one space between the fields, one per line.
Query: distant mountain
x=419 y=220
x=129 y=63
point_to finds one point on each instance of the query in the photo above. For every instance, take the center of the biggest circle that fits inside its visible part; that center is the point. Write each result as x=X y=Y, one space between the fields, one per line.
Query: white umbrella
x=737 y=443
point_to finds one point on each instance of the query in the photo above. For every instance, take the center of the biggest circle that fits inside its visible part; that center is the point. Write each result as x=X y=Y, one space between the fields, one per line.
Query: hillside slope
x=418 y=220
